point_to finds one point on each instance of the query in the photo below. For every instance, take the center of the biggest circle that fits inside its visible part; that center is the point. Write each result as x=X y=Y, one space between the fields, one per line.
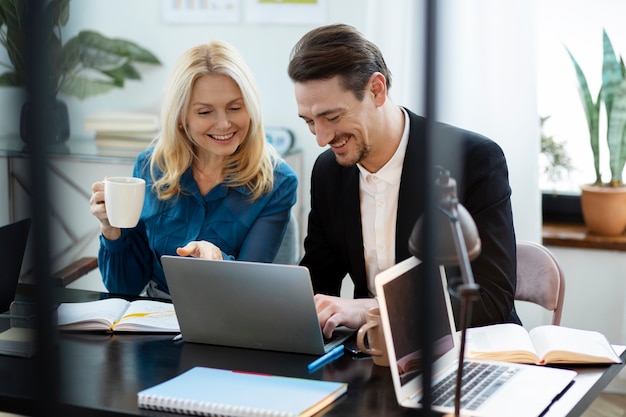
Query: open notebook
x=247 y=304
x=510 y=389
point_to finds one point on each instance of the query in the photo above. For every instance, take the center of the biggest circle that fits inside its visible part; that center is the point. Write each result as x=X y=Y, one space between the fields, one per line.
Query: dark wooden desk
x=101 y=374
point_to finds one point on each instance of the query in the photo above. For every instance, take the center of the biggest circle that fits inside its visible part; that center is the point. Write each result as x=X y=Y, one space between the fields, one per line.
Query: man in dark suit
x=366 y=189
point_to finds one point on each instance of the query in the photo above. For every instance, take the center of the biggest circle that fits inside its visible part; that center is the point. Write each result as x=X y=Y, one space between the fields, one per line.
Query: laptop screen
x=402 y=297
x=13 y=239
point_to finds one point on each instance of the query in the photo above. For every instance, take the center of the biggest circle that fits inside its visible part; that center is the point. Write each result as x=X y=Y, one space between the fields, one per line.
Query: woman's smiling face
x=218 y=120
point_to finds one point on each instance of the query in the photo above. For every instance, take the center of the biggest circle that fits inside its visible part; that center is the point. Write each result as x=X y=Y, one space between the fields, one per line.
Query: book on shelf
x=143 y=136
x=118 y=152
x=18 y=341
x=122 y=121
x=123 y=143
x=210 y=391
x=118 y=315
x=541 y=345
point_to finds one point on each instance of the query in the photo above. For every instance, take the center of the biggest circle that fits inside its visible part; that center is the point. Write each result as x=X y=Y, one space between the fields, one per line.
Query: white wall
x=488 y=85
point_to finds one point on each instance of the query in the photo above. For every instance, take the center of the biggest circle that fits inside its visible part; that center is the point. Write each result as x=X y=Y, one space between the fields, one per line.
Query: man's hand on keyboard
x=337 y=311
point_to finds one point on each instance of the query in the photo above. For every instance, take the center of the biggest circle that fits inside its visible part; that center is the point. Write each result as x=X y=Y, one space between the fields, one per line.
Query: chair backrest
x=540 y=279
x=289 y=251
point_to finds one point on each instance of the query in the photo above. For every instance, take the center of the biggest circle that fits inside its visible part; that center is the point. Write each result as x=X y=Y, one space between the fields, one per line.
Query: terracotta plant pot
x=604 y=209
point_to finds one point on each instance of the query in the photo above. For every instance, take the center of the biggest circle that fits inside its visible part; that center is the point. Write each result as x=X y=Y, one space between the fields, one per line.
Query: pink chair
x=540 y=279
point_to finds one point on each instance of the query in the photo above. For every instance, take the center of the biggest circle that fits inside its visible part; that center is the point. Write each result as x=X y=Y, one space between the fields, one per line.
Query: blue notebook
x=208 y=391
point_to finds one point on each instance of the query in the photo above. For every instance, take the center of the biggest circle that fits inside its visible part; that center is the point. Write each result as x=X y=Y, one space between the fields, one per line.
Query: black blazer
x=334 y=243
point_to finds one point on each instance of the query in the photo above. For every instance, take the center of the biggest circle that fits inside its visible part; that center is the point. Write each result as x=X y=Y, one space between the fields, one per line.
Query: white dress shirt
x=379 y=209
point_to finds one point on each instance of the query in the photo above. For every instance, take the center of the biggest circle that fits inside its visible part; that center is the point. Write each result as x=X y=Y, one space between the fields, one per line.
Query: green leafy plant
x=87 y=64
x=613 y=95
x=558 y=163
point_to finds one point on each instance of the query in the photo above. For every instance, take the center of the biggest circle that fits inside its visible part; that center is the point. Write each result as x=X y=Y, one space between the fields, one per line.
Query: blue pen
x=325 y=358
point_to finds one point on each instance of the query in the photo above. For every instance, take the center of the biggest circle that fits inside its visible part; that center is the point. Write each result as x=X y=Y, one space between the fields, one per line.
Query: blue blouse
x=242 y=230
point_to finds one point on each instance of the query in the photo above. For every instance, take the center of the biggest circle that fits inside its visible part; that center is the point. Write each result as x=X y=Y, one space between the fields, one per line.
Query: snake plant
x=86 y=65
x=613 y=95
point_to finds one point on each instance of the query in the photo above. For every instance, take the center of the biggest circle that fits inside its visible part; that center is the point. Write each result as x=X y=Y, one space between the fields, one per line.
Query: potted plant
x=604 y=203
x=556 y=164
x=85 y=65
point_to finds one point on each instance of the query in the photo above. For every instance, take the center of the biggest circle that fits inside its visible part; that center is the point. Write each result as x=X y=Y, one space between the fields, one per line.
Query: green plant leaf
x=611 y=73
x=137 y=53
x=99 y=52
x=558 y=161
x=58 y=12
x=13 y=18
x=10 y=79
x=82 y=87
x=594 y=138
x=616 y=139
x=115 y=78
x=592 y=113
x=69 y=57
x=53 y=52
x=116 y=47
x=10 y=11
x=126 y=71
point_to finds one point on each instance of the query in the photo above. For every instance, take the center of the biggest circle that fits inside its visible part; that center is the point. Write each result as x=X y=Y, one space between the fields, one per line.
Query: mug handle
x=360 y=339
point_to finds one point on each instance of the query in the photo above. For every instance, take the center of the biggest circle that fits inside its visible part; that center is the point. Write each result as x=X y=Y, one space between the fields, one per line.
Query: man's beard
x=349 y=159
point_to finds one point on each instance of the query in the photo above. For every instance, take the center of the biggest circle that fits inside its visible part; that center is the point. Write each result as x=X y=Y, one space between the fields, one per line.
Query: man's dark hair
x=337 y=49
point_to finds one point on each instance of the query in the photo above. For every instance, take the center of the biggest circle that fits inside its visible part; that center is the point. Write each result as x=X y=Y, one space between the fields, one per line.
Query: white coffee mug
x=123 y=198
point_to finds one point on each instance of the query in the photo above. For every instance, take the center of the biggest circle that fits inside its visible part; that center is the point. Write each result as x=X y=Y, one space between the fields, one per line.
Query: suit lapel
x=410 y=204
x=354 y=233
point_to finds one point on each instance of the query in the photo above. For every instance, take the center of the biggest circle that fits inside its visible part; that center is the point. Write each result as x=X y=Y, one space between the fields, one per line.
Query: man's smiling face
x=336 y=118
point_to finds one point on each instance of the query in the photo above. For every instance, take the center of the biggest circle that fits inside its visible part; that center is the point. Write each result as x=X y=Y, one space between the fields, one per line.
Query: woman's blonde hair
x=252 y=164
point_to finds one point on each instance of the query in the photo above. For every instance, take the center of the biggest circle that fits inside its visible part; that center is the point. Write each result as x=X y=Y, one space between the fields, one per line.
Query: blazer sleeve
x=485 y=192
x=324 y=246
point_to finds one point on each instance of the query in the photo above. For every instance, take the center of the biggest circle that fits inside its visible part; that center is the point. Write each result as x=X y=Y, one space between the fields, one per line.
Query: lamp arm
x=467 y=291
x=468 y=288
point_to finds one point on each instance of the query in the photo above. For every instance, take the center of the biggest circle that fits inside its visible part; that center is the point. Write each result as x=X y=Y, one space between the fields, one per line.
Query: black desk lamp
x=457 y=243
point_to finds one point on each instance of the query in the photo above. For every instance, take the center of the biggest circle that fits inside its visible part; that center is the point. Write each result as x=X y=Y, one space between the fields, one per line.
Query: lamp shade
x=449 y=216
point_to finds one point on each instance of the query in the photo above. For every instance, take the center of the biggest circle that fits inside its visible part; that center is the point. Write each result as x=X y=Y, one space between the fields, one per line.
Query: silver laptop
x=247 y=304
x=511 y=389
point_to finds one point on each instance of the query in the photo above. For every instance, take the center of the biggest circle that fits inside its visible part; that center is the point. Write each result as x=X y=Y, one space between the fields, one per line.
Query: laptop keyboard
x=479 y=382
x=330 y=339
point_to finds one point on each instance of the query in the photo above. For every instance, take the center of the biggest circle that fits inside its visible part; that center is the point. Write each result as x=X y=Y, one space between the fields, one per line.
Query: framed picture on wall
x=286 y=11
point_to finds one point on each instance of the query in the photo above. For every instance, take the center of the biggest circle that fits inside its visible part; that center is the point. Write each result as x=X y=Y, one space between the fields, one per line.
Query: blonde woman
x=215 y=188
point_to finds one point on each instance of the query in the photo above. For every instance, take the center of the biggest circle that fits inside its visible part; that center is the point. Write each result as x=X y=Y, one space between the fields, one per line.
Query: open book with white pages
x=119 y=315
x=541 y=345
